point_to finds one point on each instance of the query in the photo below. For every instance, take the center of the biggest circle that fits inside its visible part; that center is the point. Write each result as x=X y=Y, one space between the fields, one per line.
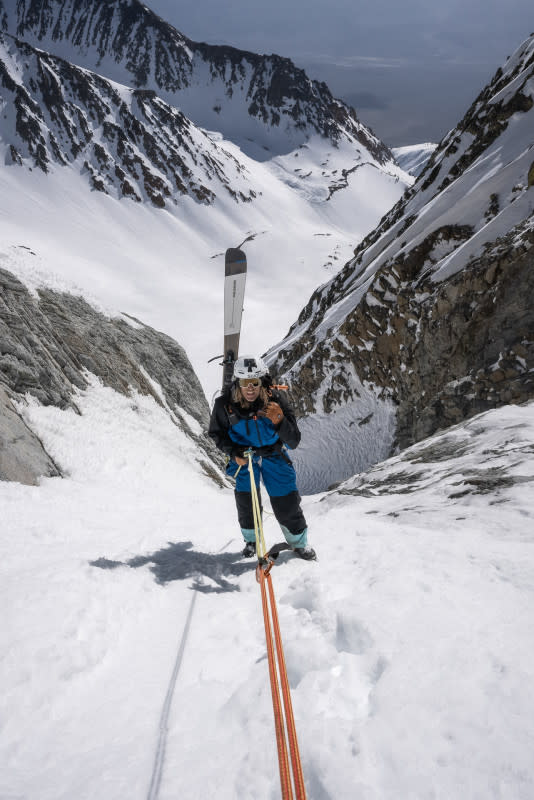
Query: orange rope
x=280 y=728
x=296 y=765
x=283 y=760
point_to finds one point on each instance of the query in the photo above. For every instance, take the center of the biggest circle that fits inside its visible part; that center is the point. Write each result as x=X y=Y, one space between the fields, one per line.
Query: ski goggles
x=244 y=382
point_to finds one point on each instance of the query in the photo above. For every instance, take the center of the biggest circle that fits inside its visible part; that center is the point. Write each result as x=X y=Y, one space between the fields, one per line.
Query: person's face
x=250 y=388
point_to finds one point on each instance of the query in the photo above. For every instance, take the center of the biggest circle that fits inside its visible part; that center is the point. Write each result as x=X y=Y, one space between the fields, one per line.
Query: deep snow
x=409 y=643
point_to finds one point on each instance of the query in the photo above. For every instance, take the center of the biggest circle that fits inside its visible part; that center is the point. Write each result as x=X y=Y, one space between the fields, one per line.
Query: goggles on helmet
x=244 y=382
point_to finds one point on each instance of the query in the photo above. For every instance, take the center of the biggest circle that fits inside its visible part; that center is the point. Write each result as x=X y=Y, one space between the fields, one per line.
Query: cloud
x=363 y=101
x=355 y=61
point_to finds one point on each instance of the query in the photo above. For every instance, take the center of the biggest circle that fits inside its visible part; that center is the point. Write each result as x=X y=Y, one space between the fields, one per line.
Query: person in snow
x=252 y=414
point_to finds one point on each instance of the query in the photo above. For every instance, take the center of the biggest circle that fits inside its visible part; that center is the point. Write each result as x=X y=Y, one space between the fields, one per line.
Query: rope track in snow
x=159 y=759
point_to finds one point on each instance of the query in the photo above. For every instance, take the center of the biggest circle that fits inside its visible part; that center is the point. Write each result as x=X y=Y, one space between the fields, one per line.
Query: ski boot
x=307 y=553
x=249 y=550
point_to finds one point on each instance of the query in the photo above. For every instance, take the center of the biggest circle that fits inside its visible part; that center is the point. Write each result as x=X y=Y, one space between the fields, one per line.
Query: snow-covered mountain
x=263 y=103
x=76 y=147
x=432 y=320
x=131 y=142
x=128 y=142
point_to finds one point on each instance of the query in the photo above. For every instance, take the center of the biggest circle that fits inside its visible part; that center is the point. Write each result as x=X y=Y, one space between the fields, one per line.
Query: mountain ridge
x=129 y=43
x=127 y=141
x=433 y=314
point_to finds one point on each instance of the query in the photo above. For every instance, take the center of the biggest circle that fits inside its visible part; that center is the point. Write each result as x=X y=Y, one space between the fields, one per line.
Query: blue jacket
x=234 y=429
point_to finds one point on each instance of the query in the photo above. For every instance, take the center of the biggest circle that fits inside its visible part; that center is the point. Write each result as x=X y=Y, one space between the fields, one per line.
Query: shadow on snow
x=179 y=561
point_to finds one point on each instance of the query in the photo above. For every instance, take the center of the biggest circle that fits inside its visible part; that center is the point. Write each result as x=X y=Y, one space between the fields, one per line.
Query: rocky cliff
x=434 y=315
x=52 y=342
x=128 y=143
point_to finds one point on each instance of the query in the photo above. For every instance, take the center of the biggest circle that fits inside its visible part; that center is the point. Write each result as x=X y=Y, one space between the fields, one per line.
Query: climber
x=252 y=414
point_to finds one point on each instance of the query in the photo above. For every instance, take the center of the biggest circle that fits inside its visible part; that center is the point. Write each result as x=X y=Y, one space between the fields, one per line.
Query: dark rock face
x=48 y=345
x=435 y=312
x=131 y=44
x=454 y=349
x=475 y=348
x=129 y=143
x=443 y=352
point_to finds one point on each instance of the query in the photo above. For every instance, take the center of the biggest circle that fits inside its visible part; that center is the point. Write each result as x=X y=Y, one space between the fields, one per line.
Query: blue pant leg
x=279 y=476
x=280 y=481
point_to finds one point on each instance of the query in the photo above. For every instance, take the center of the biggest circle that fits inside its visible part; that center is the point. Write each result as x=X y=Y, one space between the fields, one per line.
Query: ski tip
x=235 y=256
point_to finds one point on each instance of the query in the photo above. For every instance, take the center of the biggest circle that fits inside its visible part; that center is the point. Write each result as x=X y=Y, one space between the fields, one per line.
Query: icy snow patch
x=348 y=440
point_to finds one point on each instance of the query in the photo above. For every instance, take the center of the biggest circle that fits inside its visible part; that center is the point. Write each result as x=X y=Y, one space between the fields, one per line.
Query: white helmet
x=250 y=367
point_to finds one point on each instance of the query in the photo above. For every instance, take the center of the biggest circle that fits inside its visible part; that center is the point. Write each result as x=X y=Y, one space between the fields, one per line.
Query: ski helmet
x=249 y=367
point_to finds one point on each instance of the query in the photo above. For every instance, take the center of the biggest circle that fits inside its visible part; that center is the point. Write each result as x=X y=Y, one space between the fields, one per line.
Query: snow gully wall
x=52 y=342
x=435 y=311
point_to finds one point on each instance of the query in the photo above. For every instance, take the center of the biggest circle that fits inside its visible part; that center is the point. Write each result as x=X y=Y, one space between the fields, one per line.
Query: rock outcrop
x=22 y=456
x=49 y=344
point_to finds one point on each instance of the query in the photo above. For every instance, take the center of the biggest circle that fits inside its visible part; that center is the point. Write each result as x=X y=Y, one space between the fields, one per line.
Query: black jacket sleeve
x=219 y=427
x=288 y=430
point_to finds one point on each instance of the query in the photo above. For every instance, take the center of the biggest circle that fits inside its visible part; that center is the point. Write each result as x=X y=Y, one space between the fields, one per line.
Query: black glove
x=238 y=451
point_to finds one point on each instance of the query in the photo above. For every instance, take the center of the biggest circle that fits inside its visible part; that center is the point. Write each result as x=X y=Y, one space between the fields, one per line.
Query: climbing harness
x=290 y=766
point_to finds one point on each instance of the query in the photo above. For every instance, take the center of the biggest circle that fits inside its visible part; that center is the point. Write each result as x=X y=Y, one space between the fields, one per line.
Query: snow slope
x=408 y=644
x=166 y=267
x=298 y=215
x=413 y=158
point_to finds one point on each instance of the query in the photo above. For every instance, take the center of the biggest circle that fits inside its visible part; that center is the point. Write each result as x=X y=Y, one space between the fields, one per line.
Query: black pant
x=286 y=509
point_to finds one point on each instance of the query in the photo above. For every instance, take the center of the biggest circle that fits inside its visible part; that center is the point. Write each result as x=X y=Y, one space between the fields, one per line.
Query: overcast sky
x=410 y=68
